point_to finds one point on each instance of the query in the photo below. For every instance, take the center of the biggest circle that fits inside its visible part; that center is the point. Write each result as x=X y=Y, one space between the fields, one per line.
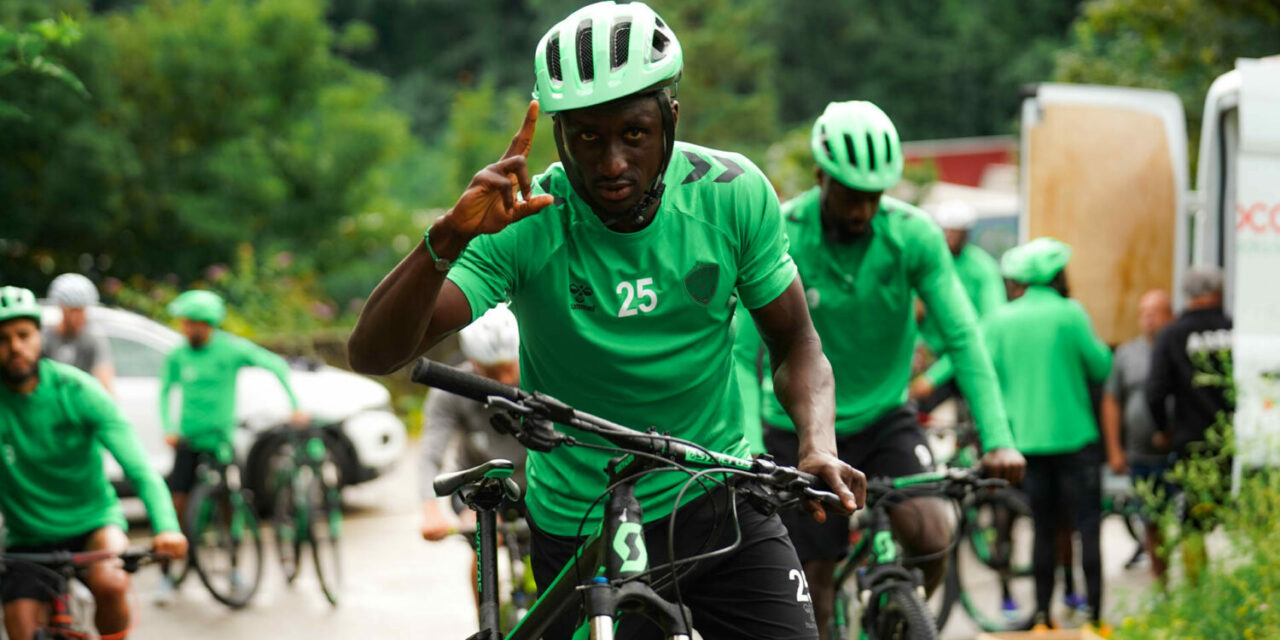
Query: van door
x=1104 y=169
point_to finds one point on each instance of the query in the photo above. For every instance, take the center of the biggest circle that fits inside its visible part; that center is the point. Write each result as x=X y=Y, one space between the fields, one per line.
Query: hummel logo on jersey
x=580 y=293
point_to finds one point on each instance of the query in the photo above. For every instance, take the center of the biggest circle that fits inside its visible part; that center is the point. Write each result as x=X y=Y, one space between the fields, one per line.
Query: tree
x=211 y=123
x=1175 y=45
x=27 y=51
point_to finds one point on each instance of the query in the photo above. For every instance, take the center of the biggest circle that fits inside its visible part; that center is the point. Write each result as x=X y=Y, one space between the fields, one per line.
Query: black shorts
x=756 y=591
x=183 y=475
x=25 y=582
x=894 y=446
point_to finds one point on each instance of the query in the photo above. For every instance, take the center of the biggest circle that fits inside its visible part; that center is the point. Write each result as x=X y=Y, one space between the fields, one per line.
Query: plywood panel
x=1101 y=180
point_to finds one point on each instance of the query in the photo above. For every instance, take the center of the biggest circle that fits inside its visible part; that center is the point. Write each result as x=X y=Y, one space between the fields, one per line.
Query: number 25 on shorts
x=640 y=293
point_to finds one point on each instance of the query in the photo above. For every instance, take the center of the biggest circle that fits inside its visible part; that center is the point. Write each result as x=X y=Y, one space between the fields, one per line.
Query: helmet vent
x=871 y=152
x=661 y=45
x=553 y=58
x=888 y=149
x=586 y=65
x=621 y=38
x=848 y=146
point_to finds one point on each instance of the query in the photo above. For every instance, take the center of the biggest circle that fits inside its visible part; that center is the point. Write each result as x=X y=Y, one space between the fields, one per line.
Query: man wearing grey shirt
x=1125 y=416
x=73 y=340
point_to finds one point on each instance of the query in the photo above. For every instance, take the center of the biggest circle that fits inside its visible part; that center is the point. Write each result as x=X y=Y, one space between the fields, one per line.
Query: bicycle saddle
x=449 y=483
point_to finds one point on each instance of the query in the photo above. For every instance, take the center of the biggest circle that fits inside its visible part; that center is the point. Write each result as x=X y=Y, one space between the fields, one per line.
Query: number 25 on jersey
x=638 y=294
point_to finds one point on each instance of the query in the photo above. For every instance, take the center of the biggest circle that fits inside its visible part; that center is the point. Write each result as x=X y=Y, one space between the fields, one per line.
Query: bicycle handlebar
x=541 y=406
x=133 y=559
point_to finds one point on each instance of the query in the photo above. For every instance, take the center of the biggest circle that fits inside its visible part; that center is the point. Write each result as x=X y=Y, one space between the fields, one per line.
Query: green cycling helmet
x=199 y=305
x=857 y=144
x=16 y=302
x=1037 y=262
x=603 y=52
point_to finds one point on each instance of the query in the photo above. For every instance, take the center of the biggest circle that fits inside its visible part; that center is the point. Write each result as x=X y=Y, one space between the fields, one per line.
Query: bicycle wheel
x=900 y=615
x=284 y=526
x=846 y=614
x=176 y=570
x=943 y=600
x=990 y=575
x=325 y=534
x=226 y=547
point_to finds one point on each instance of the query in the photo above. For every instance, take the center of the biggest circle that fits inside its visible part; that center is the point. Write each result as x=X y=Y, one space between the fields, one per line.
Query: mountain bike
x=307 y=507
x=609 y=574
x=874 y=586
x=67 y=619
x=993 y=554
x=226 y=546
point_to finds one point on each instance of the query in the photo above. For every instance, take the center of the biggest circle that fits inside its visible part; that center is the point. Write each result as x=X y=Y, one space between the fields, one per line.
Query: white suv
x=366 y=440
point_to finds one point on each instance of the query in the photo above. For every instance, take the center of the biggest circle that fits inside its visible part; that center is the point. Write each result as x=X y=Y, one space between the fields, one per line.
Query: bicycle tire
x=980 y=538
x=325 y=535
x=284 y=529
x=901 y=616
x=946 y=595
x=176 y=570
x=1006 y=576
x=219 y=539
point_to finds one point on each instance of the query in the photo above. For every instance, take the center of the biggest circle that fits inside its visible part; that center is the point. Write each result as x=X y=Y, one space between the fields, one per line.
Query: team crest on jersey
x=582 y=294
x=701 y=282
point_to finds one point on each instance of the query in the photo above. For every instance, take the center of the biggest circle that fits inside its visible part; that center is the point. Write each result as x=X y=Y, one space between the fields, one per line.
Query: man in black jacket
x=1197 y=343
x=1189 y=363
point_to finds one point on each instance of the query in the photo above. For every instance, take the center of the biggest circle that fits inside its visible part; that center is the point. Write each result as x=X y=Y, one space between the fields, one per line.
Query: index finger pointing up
x=523 y=140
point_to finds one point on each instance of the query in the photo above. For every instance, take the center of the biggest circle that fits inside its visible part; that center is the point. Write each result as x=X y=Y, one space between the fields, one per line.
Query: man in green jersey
x=1046 y=355
x=864 y=257
x=979 y=275
x=206 y=367
x=622 y=284
x=54 y=495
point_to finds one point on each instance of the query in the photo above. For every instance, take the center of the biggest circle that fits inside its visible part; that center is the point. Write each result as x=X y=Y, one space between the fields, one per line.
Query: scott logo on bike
x=580 y=293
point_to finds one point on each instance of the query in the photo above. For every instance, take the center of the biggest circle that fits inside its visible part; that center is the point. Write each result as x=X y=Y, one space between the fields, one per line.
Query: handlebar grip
x=458 y=382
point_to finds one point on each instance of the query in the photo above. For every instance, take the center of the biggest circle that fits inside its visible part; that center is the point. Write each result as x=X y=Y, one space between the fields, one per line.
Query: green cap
x=1036 y=262
x=602 y=52
x=16 y=302
x=199 y=305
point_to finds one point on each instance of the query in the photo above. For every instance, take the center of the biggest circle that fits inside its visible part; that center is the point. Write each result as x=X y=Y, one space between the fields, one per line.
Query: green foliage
x=939 y=68
x=1175 y=45
x=212 y=123
x=272 y=300
x=1234 y=595
x=34 y=50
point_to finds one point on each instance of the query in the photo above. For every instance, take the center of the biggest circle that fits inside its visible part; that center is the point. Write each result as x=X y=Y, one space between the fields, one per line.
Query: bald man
x=1125 y=416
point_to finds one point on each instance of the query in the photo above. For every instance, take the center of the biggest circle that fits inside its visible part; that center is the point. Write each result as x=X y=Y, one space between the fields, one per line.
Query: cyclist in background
x=206 y=368
x=491 y=345
x=979 y=275
x=55 y=421
x=620 y=262
x=1046 y=355
x=864 y=257
x=75 y=341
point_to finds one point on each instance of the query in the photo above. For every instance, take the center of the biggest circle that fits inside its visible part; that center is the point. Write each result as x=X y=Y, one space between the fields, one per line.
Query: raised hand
x=490 y=202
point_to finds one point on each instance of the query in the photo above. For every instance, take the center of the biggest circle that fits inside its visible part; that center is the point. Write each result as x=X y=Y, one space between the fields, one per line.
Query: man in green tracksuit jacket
x=206 y=367
x=54 y=494
x=863 y=258
x=1046 y=355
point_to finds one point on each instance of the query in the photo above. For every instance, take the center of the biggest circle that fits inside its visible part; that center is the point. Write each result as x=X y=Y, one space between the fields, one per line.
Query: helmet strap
x=652 y=194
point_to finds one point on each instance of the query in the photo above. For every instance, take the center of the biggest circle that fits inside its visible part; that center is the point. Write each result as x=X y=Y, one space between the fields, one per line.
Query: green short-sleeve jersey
x=52 y=483
x=862 y=300
x=634 y=327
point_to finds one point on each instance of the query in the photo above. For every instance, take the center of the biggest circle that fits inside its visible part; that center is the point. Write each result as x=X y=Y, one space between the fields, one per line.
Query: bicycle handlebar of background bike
x=133 y=559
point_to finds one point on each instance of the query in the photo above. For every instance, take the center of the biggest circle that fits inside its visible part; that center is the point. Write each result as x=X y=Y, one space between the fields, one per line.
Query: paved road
x=400 y=587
